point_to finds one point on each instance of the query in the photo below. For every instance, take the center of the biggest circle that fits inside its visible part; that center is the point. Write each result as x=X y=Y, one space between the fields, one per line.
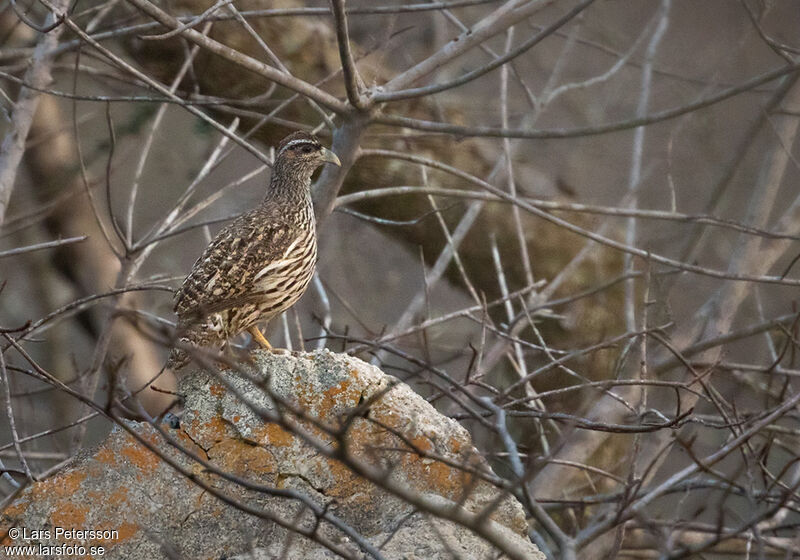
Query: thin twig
x=349 y=70
x=39 y=76
x=40 y=246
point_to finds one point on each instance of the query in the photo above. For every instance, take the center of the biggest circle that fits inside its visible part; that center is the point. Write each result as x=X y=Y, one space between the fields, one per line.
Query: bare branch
x=349 y=70
x=495 y=132
x=40 y=246
x=38 y=75
x=245 y=61
x=395 y=95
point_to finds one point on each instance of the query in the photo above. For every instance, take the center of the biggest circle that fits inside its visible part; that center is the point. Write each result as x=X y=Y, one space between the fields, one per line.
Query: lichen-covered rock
x=158 y=511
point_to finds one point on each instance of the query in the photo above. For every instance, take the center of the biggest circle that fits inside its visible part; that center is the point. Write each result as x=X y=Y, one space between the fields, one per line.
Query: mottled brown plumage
x=261 y=263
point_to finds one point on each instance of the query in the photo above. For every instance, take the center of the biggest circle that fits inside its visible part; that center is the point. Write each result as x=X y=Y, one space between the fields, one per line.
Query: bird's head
x=301 y=153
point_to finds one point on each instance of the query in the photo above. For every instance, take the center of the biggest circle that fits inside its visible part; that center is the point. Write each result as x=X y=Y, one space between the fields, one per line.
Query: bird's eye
x=307 y=149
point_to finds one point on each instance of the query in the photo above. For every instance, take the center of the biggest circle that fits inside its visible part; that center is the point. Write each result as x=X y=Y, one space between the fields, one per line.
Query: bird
x=260 y=264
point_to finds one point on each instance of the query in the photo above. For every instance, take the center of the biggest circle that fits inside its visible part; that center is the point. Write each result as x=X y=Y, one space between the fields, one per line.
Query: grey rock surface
x=157 y=510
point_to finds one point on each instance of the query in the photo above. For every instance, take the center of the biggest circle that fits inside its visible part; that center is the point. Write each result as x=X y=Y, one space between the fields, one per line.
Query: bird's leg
x=260 y=338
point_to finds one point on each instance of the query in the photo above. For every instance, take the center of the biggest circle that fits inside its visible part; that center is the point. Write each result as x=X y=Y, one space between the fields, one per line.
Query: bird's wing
x=224 y=275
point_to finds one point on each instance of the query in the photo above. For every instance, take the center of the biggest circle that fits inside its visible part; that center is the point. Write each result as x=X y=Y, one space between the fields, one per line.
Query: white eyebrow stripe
x=296 y=142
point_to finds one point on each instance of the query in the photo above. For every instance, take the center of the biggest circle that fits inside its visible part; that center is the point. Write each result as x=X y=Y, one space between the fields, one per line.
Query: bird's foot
x=258 y=337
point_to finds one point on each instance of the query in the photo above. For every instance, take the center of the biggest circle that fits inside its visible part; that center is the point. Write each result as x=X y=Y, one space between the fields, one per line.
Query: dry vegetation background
x=572 y=225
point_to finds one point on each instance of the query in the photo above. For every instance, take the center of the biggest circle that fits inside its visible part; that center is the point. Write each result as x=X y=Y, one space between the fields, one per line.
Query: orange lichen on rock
x=335 y=396
x=455 y=445
x=140 y=456
x=106 y=456
x=126 y=530
x=349 y=486
x=275 y=435
x=210 y=432
x=422 y=443
x=69 y=515
x=238 y=457
x=452 y=482
x=364 y=438
x=64 y=484
x=369 y=441
x=16 y=509
x=382 y=415
x=188 y=443
x=216 y=390
x=117 y=497
x=331 y=398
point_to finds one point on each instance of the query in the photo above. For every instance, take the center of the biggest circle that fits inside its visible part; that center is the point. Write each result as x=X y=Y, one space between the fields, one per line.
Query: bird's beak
x=330 y=157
